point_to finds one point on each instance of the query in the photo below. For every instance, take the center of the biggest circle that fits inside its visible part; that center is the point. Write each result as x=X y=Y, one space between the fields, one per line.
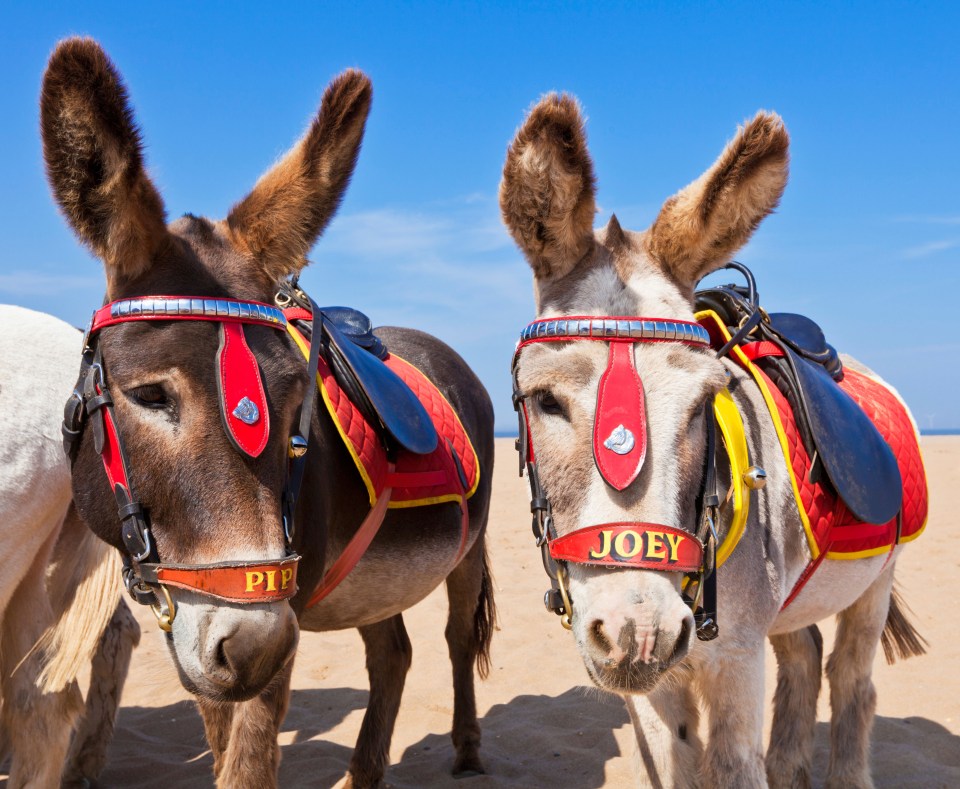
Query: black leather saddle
x=355 y=356
x=843 y=443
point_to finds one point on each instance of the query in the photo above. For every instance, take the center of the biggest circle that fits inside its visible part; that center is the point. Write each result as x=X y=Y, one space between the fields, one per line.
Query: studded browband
x=619 y=447
x=246 y=419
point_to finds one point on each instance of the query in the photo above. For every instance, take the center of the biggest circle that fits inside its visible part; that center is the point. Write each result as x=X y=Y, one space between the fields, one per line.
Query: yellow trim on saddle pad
x=304 y=347
x=754 y=371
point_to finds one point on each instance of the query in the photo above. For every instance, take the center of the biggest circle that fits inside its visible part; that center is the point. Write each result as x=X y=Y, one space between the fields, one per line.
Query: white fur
x=43 y=646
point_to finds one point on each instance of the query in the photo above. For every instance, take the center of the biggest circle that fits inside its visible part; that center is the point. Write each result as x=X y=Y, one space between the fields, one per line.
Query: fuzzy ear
x=92 y=150
x=281 y=219
x=703 y=225
x=548 y=190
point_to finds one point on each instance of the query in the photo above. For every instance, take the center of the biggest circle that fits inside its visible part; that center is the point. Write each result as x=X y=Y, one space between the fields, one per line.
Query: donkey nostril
x=599 y=637
x=683 y=639
x=220 y=655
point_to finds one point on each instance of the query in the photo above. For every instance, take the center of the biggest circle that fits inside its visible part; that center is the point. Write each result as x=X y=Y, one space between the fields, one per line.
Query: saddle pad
x=831 y=526
x=449 y=473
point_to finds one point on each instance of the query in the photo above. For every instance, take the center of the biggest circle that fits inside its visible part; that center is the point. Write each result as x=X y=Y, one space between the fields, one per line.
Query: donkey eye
x=549 y=404
x=150 y=396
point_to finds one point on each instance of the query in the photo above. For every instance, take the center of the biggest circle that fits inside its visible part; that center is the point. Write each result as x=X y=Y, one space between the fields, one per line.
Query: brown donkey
x=206 y=502
x=617 y=384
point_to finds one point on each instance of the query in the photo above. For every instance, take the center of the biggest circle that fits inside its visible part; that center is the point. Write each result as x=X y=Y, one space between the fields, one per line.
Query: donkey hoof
x=467 y=766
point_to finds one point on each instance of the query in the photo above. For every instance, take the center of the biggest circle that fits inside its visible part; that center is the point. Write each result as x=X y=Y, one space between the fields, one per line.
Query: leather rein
x=245 y=415
x=619 y=457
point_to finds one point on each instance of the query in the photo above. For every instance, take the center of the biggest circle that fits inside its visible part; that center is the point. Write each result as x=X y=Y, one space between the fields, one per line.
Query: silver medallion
x=621 y=440
x=248 y=413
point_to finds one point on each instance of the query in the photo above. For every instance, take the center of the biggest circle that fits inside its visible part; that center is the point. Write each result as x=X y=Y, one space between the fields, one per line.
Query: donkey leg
x=389 y=656
x=665 y=723
x=217 y=718
x=38 y=725
x=245 y=735
x=470 y=625
x=799 y=670
x=731 y=683
x=111 y=662
x=852 y=695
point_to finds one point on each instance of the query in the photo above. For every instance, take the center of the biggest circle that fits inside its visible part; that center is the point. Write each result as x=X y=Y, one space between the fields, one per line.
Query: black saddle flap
x=858 y=461
x=395 y=405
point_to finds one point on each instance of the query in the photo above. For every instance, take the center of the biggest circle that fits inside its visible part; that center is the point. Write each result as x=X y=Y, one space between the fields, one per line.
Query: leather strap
x=236 y=582
x=355 y=549
x=645 y=546
x=620 y=424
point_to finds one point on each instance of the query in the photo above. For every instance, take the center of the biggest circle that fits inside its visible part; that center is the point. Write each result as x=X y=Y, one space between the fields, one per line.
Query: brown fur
x=205 y=499
x=700 y=227
x=94 y=159
x=281 y=219
x=547 y=196
x=900 y=639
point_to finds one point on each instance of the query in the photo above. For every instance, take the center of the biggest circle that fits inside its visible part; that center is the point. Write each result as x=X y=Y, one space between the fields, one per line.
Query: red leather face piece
x=647 y=546
x=265 y=582
x=243 y=402
x=620 y=425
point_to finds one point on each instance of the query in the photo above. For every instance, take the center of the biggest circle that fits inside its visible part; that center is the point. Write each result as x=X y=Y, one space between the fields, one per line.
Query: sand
x=544 y=724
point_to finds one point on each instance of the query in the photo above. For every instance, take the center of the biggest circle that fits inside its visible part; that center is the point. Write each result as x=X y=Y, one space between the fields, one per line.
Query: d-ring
x=567 y=619
x=165 y=618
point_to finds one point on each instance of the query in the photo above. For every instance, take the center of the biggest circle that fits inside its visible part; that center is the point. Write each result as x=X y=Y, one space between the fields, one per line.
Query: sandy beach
x=544 y=724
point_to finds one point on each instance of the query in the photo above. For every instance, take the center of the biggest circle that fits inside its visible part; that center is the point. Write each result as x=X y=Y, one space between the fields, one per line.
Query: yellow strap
x=735 y=441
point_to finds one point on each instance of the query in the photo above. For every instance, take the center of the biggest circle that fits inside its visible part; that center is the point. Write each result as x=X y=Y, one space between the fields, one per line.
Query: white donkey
x=59 y=591
x=639 y=495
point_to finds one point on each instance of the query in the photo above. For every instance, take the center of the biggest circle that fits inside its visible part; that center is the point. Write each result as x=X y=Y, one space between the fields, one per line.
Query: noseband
x=619 y=448
x=246 y=420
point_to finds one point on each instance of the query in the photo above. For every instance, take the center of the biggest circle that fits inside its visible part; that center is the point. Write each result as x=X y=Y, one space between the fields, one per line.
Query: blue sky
x=867 y=238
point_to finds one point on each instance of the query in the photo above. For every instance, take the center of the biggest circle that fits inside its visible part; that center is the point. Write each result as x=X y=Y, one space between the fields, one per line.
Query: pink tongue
x=243 y=402
x=620 y=427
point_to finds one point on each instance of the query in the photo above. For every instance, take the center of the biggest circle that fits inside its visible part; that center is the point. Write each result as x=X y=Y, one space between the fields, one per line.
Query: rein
x=245 y=413
x=619 y=446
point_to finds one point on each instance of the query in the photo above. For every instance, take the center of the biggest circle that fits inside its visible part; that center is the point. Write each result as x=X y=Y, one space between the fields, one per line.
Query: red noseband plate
x=648 y=546
x=242 y=582
x=620 y=426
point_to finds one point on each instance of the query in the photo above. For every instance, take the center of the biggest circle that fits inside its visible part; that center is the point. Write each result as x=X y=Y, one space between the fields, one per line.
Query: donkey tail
x=84 y=587
x=900 y=639
x=485 y=618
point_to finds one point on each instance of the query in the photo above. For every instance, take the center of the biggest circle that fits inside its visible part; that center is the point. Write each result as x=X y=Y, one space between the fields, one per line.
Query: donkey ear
x=547 y=195
x=92 y=150
x=288 y=209
x=703 y=225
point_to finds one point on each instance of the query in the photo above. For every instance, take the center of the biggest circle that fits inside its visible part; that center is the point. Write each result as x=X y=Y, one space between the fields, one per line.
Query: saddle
x=356 y=358
x=848 y=452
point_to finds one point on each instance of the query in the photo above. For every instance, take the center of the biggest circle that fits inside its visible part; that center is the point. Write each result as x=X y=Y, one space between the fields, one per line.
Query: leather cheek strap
x=235 y=582
x=647 y=546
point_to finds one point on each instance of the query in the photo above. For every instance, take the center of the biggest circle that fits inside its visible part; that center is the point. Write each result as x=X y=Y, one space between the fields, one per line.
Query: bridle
x=246 y=421
x=619 y=445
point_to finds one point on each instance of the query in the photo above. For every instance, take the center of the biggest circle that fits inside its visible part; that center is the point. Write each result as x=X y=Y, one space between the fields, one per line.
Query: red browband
x=169 y=308
x=647 y=546
x=243 y=401
x=620 y=425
